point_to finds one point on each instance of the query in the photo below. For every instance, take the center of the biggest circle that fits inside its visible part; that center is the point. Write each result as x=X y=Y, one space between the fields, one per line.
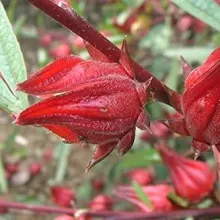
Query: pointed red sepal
x=96 y=54
x=126 y=61
x=143 y=121
x=101 y=152
x=143 y=92
x=126 y=143
x=64 y=132
x=187 y=69
x=176 y=125
x=53 y=78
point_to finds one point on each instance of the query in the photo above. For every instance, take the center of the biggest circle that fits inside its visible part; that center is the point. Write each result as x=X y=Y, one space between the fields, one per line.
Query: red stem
x=111 y=215
x=72 y=21
x=40 y=209
x=180 y=214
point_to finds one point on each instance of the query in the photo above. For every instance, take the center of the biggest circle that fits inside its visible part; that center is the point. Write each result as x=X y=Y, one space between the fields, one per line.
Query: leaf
x=158 y=38
x=205 y=10
x=12 y=67
x=62 y=154
x=191 y=54
x=178 y=200
x=173 y=78
x=140 y=158
x=141 y=194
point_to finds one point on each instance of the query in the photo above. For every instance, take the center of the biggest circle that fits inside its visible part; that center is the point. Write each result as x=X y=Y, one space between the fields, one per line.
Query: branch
x=72 y=21
x=41 y=209
x=207 y=212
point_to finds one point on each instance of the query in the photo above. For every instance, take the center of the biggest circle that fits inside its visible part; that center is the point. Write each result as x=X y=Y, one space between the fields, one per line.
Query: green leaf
x=12 y=67
x=158 y=39
x=191 y=54
x=178 y=200
x=206 y=10
x=62 y=155
x=173 y=78
x=141 y=194
x=140 y=158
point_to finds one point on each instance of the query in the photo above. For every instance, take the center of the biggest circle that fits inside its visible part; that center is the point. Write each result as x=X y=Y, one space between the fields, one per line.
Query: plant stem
x=75 y=23
x=111 y=215
x=180 y=214
x=42 y=209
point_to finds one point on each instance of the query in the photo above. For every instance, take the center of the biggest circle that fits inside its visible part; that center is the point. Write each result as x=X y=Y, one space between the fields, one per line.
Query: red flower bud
x=12 y=168
x=62 y=196
x=185 y=22
x=200 y=103
x=102 y=103
x=98 y=184
x=192 y=179
x=46 y=40
x=141 y=176
x=35 y=168
x=101 y=203
x=60 y=51
x=157 y=194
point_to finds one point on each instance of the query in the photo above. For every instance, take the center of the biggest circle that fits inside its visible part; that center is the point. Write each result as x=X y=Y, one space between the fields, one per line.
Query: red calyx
x=62 y=196
x=141 y=176
x=35 y=168
x=101 y=203
x=100 y=102
x=157 y=194
x=193 y=180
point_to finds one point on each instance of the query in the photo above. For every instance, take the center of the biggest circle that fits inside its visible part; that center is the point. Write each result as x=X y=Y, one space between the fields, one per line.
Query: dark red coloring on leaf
x=157 y=194
x=193 y=180
x=100 y=103
x=141 y=176
x=62 y=196
x=101 y=203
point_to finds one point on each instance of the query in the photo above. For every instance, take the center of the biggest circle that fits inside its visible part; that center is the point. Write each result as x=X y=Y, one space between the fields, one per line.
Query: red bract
x=101 y=203
x=192 y=179
x=157 y=195
x=62 y=196
x=200 y=103
x=102 y=103
x=141 y=176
